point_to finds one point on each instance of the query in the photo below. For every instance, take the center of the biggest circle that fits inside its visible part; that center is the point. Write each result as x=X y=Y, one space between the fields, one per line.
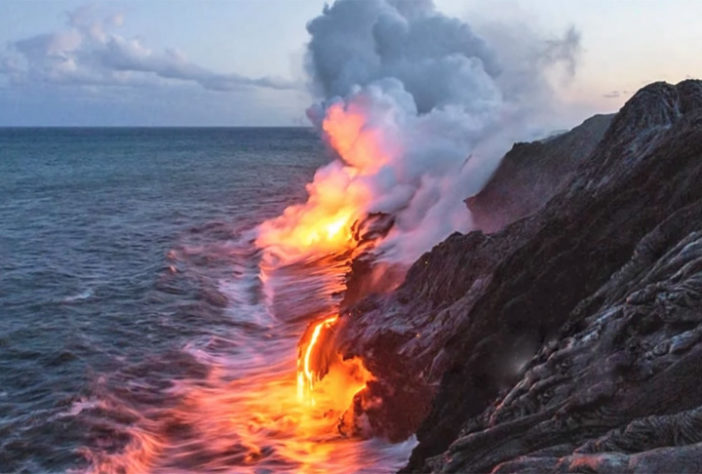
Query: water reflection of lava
x=237 y=408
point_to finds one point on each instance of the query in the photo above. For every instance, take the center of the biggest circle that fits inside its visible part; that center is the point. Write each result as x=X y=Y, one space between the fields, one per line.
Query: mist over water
x=137 y=333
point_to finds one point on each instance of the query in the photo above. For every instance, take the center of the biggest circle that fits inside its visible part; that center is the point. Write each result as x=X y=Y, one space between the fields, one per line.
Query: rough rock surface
x=569 y=341
x=531 y=173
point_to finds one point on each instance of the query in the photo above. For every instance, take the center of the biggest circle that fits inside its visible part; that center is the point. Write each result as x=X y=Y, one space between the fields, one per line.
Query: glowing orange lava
x=338 y=196
x=250 y=414
x=341 y=379
x=261 y=414
x=306 y=377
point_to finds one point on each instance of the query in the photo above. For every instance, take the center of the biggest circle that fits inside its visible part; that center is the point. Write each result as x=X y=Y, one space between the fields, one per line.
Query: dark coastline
x=568 y=337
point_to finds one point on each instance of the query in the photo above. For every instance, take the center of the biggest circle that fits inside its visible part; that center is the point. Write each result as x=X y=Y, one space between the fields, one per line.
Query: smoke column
x=417 y=109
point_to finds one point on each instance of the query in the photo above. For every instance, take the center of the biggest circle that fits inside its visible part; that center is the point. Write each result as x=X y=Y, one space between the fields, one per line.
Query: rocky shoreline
x=564 y=336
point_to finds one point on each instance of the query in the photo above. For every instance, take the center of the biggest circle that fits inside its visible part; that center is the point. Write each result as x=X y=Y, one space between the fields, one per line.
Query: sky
x=241 y=62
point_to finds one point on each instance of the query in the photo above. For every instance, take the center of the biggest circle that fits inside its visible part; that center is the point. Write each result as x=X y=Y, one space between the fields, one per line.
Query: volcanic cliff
x=565 y=336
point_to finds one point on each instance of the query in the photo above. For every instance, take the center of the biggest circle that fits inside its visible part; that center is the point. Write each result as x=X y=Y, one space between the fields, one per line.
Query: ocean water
x=136 y=334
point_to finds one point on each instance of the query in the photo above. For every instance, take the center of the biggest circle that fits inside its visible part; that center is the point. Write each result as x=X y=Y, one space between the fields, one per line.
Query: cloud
x=89 y=52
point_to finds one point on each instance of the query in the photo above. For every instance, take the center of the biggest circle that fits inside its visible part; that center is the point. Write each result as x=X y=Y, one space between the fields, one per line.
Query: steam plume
x=417 y=107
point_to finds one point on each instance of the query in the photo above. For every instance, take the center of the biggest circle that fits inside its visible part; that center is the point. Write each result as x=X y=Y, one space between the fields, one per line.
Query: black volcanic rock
x=568 y=341
x=622 y=376
x=531 y=173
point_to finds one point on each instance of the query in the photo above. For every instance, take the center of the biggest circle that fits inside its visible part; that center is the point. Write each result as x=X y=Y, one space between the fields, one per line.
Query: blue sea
x=133 y=331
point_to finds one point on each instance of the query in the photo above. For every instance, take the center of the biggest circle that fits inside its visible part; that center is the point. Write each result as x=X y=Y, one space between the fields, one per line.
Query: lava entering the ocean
x=332 y=222
x=306 y=375
x=321 y=371
x=340 y=194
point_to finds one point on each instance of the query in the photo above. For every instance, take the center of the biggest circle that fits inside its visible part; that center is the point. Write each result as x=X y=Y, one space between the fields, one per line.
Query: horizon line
x=154 y=126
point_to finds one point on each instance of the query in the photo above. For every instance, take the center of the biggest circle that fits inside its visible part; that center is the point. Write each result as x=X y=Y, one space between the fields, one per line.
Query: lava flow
x=339 y=195
x=339 y=198
x=306 y=375
x=258 y=407
x=341 y=379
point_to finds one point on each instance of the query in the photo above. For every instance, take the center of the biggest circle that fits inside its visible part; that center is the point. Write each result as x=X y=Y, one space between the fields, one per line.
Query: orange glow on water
x=252 y=424
x=338 y=197
x=261 y=408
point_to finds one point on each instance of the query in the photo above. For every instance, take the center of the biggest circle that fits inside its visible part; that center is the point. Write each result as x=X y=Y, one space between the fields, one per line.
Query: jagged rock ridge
x=530 y=173
x=567 y=341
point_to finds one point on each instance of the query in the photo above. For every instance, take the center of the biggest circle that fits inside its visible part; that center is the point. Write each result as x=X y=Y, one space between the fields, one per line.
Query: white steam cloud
x=447 y=102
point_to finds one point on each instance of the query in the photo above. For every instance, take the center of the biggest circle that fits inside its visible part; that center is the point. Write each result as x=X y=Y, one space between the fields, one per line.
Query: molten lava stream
x=322 y=374
x=328 y=227
x=283 y=418
x=301 y=412
x=259 y=407
x=277 y=430
x=246 y=416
